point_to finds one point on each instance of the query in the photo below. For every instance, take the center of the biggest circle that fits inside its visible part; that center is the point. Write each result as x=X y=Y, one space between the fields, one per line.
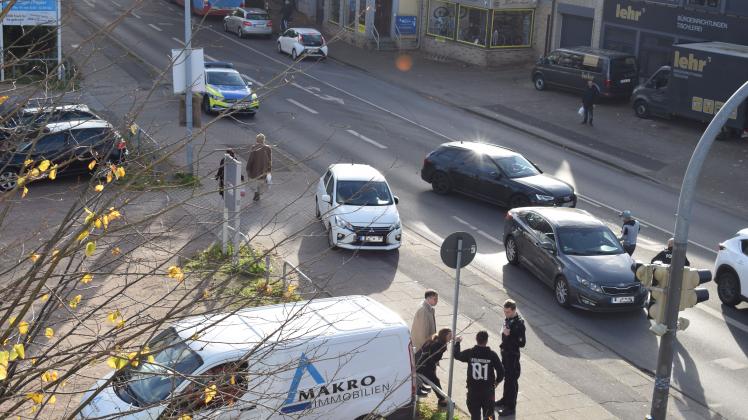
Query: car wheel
x=728 y=288
x=294 y=56
x=225 y=27
x=206 y=105
x=8 y=180
x=280 y=50
x=440 y=183
x=239 y=32
x=330 y=240
x=641 y=108
x=518 y=200
x=317 y=214
x=539 y=82
x=561 y=292
x=512 y=252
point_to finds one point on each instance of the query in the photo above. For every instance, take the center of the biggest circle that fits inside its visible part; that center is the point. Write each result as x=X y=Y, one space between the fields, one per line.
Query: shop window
x=442 y=19
x=335 y=11
x=704 y=3
x=350 y=22
x=511 y=28
x=619 y=39
x=471 y=27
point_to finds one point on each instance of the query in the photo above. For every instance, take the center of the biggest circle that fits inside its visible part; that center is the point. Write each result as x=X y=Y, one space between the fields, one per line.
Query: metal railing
x=439 y=391
x=285 y=273
x=398 y=38
x=375 y=35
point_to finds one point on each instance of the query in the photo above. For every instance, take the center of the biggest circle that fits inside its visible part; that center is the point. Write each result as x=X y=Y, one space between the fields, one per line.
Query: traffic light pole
x=682 y=221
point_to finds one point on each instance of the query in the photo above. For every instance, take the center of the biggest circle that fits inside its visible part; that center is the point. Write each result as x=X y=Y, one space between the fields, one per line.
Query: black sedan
x=575 y=254
x=494 y=174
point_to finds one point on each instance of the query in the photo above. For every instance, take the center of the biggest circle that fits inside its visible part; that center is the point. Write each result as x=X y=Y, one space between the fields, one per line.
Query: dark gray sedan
x=577 y=255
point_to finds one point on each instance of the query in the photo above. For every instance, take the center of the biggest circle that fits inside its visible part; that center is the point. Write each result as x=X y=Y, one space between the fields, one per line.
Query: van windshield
x=152 y=382
x=622 y=67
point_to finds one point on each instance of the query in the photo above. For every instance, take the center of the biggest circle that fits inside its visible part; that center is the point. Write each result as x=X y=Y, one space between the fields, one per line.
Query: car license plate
x=372 y=238
x=623 y=299
x=626 y=81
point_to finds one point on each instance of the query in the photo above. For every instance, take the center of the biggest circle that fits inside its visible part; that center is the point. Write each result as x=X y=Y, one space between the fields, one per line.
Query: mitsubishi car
x=302 y=42
x=226 y=90
x=358 y=209
x=575 y=254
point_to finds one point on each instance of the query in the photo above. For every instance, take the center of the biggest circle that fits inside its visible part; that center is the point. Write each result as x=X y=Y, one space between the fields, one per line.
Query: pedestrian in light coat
x=259 y=166
x=424 y=321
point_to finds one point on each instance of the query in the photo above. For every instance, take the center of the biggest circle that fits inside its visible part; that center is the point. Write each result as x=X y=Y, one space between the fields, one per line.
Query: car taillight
x=508 y=216
x=608 y=82
x=270 y=23
x=413 y=373
x=121 y=145
x=301 y=39
x=245 y=23
x=720 y=247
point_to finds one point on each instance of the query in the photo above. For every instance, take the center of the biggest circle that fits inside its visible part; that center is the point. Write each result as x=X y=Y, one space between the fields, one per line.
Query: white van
x=339 y=358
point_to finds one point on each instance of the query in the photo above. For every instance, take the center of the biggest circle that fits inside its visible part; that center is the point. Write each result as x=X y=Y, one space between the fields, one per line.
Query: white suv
x=731 y=269
x=357 y=207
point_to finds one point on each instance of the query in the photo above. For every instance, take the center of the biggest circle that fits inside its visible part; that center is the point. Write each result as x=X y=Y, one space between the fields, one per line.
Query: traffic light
x=690 y=295
x=655 y=277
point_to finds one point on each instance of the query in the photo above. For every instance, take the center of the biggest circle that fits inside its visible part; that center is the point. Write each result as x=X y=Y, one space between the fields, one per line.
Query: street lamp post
x=682 y=222
x=188 y=81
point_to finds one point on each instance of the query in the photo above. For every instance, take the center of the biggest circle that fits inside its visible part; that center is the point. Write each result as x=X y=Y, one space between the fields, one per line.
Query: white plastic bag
x=581 y=111
x=269 y=179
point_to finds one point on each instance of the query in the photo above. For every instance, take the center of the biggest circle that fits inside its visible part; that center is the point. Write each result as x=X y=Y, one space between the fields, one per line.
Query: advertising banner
x=31 y=13
x=406 y=24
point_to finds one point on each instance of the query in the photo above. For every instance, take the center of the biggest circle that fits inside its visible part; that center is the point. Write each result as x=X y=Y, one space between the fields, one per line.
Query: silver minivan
x=248 y=21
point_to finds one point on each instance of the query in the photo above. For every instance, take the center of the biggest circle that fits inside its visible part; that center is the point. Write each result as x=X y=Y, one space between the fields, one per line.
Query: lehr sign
x=31 y=13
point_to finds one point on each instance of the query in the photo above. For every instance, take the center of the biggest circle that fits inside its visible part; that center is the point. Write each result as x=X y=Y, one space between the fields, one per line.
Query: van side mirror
x=542 y=60
x=397 y=199
x=548 y=246
x=327 y=199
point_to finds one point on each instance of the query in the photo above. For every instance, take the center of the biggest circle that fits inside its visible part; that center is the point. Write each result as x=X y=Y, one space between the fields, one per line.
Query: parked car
x=577 y=255
x=340 y=358
x=731 y=269
x=226 y=90
x=614 y=73
x=249 y=21
x=494 y=174
x=356 y=205
x=302 y=42
x=70 y=144
x=24 y=120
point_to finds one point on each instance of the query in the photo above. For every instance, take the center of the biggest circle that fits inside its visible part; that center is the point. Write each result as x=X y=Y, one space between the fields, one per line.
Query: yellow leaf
x=206 y=294
x=23 y=327
x=55 y=252
x=151 y=359
x=49 y=332
x=35 y=173
x=53 y=173
x=292 y=288
x=18 y=350
x=105 y=221
x=114 y=316
x=36 y=397
x=21 y=180
x=91 y=165
x=4 y=357
x=27 y=162
x=75 y=301
x=34 y=257
x=11 y=320
x=45 y=297
x=176 y=273
x=90 y=248
x=44 y=165
x=83 y=235
x=24 y=192
x=52 y=399
x=116 y=362
x=185 y=417
x=232 y=381
x=97 y=223
x=86 y=278
x=99 y=188
x=49 y=376
x=116 y=251
x=33 y=361
x=210 y=393
x=120 y=172
x=114 y=214
x=108 y=177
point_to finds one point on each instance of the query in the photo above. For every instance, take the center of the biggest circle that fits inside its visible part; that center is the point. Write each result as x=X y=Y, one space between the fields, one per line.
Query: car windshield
x=311 y=40
x=150 y=383
x=363 y=193
x=257 y=16
x=516 y=166
x=225 y=78
x=588 y=241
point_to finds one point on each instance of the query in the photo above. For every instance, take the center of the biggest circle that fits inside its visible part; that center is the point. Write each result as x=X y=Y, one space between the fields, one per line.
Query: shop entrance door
x=576 y=31
x=383 y=17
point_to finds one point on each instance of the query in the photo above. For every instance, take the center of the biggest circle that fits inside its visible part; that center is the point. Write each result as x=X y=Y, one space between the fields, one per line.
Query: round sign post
x=457 y=251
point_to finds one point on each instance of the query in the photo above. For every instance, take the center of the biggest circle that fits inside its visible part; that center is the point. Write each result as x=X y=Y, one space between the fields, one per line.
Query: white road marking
x=74 y=46
x=155 y=27
x=89 y=3
x=478 y=231
x=302 y=106
x=730 y=364
x=464 y=222
x=260 y=84
x=210 y=58
x=179 y=41
x=136 y=15
x=366 y=139
x=316 y=92
x=717 y=314
x=116 y=4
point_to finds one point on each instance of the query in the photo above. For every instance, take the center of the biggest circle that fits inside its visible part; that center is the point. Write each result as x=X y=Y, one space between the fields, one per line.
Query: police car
x=226 y=90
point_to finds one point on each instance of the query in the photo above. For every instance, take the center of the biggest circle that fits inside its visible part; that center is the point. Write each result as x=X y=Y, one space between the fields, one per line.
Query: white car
x=358 y=209
x=248 y=21
x=304 y=42
x=340 y=358
x=731 y=269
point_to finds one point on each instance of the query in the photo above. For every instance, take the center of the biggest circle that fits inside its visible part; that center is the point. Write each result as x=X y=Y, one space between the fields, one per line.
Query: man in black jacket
x=666 y=255
x=512 y=339
x=589 y=97
x=481 y=380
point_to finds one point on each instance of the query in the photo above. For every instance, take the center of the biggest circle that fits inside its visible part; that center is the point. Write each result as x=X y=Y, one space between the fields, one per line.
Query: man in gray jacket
x=629 y=232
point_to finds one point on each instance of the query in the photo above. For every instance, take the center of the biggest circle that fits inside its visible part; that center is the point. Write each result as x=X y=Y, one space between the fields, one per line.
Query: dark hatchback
x=577 y=255
x=494 y=174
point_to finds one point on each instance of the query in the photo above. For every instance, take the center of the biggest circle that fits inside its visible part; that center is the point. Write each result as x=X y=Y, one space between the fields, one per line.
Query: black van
x=613 y=72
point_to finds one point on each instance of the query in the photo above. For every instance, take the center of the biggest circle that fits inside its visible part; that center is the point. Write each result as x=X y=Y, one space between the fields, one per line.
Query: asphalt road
x=326 y=112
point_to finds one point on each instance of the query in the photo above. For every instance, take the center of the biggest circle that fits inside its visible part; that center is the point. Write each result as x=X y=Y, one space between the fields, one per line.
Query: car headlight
x=396 y=226
x=254 y=96
x=541 y=197
x=588 y=284
x=339 y=222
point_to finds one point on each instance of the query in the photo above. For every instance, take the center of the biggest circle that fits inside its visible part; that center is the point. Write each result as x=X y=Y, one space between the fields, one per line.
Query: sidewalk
x=657 y=149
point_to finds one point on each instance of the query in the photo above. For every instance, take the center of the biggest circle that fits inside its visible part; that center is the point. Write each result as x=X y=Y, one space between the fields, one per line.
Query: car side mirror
x=327 y=199
x=548 y=246
x=397 y=199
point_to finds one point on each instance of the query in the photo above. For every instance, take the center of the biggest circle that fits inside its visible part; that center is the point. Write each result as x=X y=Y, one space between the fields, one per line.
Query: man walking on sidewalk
x=589 y=97
x=629 y=232
x=424 y=325
x=512 y=339
x=481 y=379
x=259 y=165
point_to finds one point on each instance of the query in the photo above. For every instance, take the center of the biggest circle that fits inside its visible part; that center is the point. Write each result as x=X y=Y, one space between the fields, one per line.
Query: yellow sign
x=590 y=60
x=690 y=63
x=628 y=13
x=697 y=104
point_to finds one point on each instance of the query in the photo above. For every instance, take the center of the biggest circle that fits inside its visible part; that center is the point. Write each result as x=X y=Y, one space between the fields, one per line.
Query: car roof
x=355 y=172
x=307 y=31
x=74 y=107
x=220 y=70
x=597 y=51
x=742 y=232
x=480 y=147
x=76 y=125
x=566 y=217
x=227 y=336
x=255 y=10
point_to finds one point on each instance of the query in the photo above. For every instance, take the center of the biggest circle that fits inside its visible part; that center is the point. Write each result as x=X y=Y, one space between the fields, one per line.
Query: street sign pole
x=188 y=81
x=60 y=73
x=450 y=414
x=680 y=239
